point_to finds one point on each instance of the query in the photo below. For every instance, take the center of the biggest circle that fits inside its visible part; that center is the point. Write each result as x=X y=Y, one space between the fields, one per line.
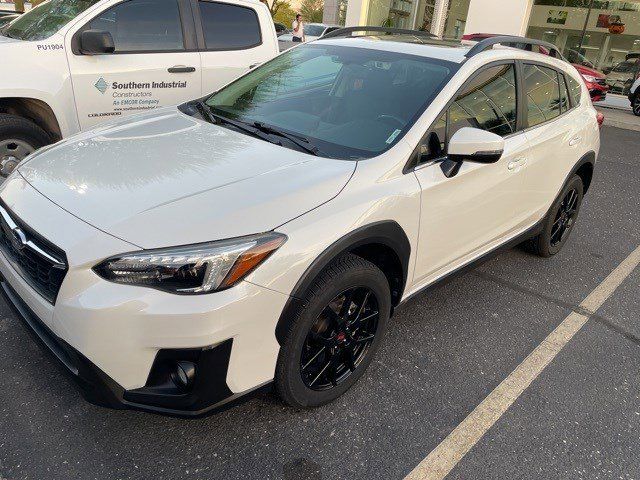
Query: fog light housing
x=183 y=374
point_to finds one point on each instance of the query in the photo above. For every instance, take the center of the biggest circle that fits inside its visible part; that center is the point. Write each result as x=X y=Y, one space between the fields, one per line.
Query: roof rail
x=347 y=31
x=522 y=43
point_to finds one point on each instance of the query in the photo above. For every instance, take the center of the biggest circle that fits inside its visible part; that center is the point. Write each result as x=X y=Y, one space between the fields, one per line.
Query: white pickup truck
x=70 y=64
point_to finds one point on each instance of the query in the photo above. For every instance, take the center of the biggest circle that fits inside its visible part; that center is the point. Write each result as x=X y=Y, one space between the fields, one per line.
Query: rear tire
x=19 y=137
x=332 y=338
x=635 y=103
x=559 y=221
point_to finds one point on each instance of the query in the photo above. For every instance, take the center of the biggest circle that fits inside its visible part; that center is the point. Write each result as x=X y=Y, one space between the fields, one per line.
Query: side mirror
x=472 y=145
x=96 y=42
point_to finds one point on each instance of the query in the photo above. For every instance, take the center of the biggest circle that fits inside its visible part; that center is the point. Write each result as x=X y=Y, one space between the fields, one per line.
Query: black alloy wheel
x=565 y=218
x=560 y=220
x=333 y=332
x=340 y=338
x=635 y=105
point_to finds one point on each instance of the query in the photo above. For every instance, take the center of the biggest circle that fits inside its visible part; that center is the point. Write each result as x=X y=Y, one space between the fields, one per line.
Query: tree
x=312 y=10
x=275 y=5
x=285 y=14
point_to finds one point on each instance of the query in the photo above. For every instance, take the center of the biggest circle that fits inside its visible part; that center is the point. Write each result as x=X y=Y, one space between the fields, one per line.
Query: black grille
x=38 y=261
x=601 y=81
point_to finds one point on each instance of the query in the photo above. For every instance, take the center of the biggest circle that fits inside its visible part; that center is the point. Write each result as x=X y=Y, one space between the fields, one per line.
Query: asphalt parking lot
x=445 y=352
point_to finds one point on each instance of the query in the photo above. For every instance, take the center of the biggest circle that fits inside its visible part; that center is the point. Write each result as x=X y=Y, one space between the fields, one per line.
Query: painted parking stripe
x=452 y=449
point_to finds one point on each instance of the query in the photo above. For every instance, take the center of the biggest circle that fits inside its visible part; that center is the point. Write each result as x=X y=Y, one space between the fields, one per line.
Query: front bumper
x=114 y=339
x=209 y=391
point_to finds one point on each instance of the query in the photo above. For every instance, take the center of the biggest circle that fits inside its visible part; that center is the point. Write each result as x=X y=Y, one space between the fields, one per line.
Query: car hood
x=164 y=179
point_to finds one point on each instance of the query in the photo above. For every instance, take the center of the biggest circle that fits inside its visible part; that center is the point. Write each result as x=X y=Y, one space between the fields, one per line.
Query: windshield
x=348 y=102
x=313 y=30
x=46 y=19
x=578 y=58
x=625 y=67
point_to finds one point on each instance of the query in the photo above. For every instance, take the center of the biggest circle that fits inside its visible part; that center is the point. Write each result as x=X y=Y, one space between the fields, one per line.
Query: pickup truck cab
x=71 y=64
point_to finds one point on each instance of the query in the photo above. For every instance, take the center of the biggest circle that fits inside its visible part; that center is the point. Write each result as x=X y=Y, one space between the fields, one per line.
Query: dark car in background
x=281 y=28
x=623 y=75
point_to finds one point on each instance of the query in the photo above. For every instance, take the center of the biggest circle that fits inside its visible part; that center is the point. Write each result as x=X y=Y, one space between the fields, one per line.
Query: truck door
x=234 y=37
x=155 y=62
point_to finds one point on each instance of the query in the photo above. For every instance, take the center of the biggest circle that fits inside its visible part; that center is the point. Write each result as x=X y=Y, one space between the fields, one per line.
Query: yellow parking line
x=452 y=449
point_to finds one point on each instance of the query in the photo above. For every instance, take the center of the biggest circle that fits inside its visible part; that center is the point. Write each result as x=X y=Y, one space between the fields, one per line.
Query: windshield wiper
x=301 y=142
x=257 y=129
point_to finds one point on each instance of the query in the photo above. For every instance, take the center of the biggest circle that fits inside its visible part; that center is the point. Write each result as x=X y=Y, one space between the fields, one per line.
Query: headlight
x=590 y=78
x=192 y=269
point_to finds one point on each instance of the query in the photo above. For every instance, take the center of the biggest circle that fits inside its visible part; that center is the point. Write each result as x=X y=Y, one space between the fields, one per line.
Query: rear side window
x=488 y=102
x=543 y=94
x=142 y=26
x=229 y=27
x=575 y=90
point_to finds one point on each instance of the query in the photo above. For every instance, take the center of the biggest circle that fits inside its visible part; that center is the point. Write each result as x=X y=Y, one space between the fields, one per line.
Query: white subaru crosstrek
x=187 y=256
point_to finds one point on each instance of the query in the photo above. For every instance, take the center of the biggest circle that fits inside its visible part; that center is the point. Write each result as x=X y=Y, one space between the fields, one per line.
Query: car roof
x=452 y=51
x=449 y=51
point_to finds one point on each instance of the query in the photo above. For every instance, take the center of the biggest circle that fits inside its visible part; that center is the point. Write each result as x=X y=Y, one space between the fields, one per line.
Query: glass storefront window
x=420 y=15
x=601 y=36
x=456 y=19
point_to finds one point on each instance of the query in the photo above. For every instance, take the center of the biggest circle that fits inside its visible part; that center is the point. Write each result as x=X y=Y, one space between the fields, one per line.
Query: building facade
x=598 y=33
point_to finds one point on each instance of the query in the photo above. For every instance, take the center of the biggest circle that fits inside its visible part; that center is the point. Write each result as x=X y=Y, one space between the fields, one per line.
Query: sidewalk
x=614 y=117
x=615 y=101
x=617 y=113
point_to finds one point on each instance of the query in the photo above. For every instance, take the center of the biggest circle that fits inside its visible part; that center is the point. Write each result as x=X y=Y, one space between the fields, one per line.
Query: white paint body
x=48 y=70
x=180 y=180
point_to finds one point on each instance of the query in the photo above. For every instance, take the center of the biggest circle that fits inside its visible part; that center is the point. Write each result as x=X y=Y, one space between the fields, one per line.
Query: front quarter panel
x=39 y=70
x=377 y=192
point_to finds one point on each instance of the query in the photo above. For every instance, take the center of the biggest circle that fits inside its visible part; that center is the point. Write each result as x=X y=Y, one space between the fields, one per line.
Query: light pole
x=584 y=29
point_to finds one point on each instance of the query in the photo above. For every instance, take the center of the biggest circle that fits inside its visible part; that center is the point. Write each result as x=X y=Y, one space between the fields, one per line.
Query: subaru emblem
x=18 y=240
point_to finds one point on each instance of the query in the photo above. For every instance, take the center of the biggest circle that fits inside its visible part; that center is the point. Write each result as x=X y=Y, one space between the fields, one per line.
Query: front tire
x=19 y=137
x=559 y=221
x=332 y=338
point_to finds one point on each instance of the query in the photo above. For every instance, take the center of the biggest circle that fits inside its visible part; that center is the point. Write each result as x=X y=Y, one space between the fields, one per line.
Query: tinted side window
x=575 y=90
x=565 y=104
x=488 y=102
x=543 y=94
x=143 y=26
x=229 y=27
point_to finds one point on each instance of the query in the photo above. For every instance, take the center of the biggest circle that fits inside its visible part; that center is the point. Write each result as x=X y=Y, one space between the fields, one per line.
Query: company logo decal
x=101 y=85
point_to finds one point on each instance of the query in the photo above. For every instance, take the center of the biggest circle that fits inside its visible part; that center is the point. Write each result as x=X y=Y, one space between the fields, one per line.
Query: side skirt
x=475 y=263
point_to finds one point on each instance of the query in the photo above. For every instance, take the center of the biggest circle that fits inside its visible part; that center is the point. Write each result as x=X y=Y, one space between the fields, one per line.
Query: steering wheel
x=390 y=119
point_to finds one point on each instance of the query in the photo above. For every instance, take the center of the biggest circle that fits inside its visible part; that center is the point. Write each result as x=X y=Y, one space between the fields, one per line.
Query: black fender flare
x=588 y=158
x=388 y=233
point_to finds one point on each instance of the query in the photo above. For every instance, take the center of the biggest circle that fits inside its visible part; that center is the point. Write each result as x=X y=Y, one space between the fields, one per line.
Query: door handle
x=514 y=164
x=181 y=69
x=575 y=141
